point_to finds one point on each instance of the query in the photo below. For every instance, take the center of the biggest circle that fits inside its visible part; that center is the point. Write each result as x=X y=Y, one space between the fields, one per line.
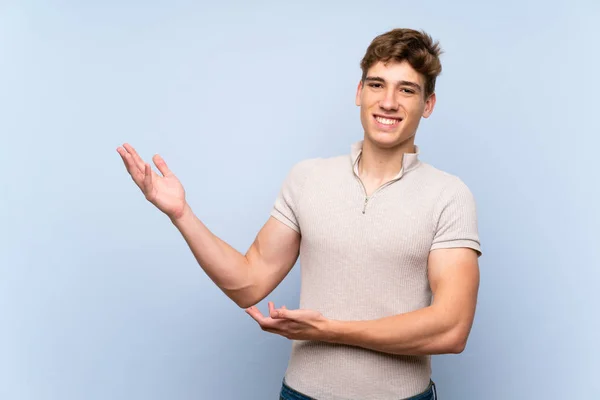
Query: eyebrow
x=399 y=83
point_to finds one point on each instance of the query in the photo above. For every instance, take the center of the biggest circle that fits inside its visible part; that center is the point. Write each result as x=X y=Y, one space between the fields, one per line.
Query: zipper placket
x=367 y=198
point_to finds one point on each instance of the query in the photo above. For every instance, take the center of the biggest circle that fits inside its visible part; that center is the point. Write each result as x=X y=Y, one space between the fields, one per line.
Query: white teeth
x=386 y=121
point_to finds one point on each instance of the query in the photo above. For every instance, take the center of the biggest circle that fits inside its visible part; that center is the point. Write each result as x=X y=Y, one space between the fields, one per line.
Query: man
x=388 y=244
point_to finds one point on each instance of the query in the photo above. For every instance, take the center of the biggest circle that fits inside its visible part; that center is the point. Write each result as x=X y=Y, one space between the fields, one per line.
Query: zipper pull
x=365 y=206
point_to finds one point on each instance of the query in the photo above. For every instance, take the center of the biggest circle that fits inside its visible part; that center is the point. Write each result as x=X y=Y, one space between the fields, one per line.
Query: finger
x=127 y=160
x=123 y=155
x=266 y=323
x=275 y=313
x=255 y=314
x=271 y=308
x=278 y=313
x=131 y=167
x=136 y=157
x=161 y=165
x=147 y=180
x=284 y=313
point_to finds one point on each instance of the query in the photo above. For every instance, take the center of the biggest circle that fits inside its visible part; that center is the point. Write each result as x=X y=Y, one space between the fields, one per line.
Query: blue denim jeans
x=287 y=393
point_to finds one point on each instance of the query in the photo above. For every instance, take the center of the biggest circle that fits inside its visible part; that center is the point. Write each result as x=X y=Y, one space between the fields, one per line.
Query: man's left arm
x=443 y=327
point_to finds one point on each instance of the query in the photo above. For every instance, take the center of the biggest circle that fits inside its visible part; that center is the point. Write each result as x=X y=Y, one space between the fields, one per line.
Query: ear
x=429 y=106
x=359 y=92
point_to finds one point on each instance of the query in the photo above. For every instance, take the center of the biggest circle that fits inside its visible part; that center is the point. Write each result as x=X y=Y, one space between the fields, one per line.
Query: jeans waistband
x=287 y=393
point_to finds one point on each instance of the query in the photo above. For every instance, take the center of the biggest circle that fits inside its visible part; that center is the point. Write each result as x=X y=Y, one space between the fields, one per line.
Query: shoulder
x=445 y=191
x=300 y=172
x=318 y=166
x=452 y=199
x=301 y=169
x=442 y=181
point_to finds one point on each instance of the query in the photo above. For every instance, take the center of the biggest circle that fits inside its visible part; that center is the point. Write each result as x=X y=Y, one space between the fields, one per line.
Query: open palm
x=165 y=192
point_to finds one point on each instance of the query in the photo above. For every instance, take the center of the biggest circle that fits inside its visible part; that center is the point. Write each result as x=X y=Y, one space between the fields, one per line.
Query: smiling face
x=392 y=101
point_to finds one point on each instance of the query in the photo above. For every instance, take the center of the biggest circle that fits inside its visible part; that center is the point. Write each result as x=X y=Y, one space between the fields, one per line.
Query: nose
x=389 y=101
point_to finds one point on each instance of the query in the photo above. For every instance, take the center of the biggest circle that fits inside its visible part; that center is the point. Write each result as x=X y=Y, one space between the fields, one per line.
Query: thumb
x=161 y=165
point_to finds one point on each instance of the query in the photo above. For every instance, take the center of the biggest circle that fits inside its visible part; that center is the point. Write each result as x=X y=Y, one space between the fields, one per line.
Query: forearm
x=422 y=332
x=225 y=266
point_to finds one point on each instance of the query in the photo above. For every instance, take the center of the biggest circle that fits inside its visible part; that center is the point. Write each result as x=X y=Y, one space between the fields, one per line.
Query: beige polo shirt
x=365 y=258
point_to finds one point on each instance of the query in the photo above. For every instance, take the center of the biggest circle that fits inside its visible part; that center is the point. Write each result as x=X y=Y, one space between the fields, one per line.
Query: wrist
x=332 y=331
x=185 y=214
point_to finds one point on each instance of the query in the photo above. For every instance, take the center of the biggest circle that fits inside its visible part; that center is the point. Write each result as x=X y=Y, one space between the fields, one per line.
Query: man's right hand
x=165 y=192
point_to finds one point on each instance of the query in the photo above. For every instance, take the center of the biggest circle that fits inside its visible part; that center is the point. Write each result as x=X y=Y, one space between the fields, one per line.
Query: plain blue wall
x=101 y=299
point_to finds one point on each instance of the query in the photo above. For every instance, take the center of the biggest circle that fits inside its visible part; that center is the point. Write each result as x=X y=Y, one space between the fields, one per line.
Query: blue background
x=100 y=298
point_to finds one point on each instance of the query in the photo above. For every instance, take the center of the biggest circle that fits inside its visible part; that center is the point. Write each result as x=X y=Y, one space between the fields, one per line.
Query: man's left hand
x=292 y=324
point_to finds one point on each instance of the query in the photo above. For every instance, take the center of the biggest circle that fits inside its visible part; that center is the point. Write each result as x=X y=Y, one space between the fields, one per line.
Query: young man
x=388 y=244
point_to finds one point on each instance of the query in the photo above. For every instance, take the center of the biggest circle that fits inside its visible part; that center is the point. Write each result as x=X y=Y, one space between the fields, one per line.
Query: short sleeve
x=457 y=219
x=287 y=203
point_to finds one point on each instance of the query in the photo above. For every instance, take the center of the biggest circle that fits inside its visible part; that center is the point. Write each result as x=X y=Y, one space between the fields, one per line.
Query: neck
x=382 y=164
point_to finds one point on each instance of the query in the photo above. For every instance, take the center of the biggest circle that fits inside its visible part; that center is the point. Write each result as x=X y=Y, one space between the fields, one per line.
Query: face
x=392 y=102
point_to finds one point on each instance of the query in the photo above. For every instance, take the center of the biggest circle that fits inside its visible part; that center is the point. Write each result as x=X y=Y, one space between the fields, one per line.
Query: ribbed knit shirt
x=365 y=257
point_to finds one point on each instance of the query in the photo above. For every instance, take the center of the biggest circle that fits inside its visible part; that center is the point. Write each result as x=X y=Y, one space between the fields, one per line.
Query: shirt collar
x=409 y=161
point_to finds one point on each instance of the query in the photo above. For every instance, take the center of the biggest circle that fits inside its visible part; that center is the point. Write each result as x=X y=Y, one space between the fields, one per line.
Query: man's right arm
x=245 y=279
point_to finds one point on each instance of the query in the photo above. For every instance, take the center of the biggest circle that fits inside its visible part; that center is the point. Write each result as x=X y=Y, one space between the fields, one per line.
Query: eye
x=408 y=91
x=375 y=85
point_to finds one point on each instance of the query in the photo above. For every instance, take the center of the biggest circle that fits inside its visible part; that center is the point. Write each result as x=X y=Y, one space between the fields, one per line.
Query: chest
x=392 y=225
